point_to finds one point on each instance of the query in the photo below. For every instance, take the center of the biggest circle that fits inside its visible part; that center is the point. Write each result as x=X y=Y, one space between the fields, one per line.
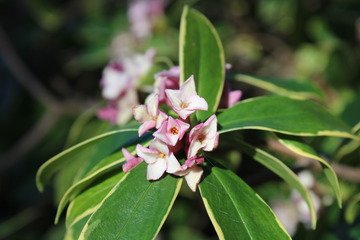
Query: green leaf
x=285 y=87
x=134 y=209
x=280 y=169
x=74 y=231
x=114 y=161
x=307 y=151
x=283 y=115
x=86 y=202
x=81 y=130
x=106 y=165
x=202 y=55
x=352 y=210
x=112 y=140
x=235 y=210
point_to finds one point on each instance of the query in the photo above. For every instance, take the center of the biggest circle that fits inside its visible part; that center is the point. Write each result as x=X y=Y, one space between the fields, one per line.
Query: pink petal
x=183 y=128
x=234 y=97
x=146 y=126
x=161 y=133
x=193 y=177
x=127 y=155
x=172 y=164
x=130 y=164
x=149 y=155
x=108 y=113
x=160 y=119
x=156 y=170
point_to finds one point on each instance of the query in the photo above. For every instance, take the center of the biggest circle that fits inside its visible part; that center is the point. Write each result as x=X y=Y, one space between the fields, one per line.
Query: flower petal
x=152 y=104
x=194 y=148
x=234 y=97
x=193 y=177
x=197 y=103
x=149 y=155
x=188 y=89
x=146 y=126
x=159 y=146
x=140 y=113
x=174 y=98
x=156 y=170
x=172 y=164
x=132 y=163
x=127 y=155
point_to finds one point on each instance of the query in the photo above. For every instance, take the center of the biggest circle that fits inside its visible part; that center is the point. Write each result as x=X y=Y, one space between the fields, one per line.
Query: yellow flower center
x=162 y=155
x=174 y=130
x=184 y=105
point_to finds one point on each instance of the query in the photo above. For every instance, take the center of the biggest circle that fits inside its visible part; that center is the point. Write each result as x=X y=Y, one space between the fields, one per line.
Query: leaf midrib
x=134 y=208
x=232 y=200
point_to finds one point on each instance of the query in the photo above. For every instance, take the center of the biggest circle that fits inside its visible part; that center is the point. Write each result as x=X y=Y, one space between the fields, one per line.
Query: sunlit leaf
x=134 y=209
x=283 y=115
x=280 y=169
x=202 y=55
x=307 y=151
x=285 y=87
x=235 y=210
x=111 y=140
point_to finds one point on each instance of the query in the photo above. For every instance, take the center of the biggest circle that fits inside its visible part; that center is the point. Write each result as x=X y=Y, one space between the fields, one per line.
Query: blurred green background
x=52 y=54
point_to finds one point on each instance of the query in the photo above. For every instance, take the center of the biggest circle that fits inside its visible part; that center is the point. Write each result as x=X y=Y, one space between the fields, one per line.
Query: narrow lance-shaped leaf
x=104 y=166
x=113 y=161
x=86 y=202
x=134 y=209
x=280 y=169
x=235 y=210
x=283 y=115
x=285 y=87
x=352 y=210
x=202 y=55
x=113 y=139
x=307 y=151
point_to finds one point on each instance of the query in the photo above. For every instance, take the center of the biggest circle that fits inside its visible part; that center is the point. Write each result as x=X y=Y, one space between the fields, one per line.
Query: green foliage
x=284 y=87
x=283 y=115
x=107 y=143
x=144 y=206
x=235 y=210
x=307 y=151
x=106 y=203
x=280 y=169
x=202 y=55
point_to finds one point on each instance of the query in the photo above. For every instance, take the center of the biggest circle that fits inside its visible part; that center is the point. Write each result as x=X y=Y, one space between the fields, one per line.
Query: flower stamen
x=174 y=130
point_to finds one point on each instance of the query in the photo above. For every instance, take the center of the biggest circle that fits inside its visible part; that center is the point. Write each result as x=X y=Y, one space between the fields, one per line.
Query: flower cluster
x=173 y=136
x=119 y=84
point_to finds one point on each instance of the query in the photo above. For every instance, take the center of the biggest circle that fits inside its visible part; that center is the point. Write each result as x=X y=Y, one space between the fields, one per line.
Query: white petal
x=114 y=83
x=174 y=98
x=149 y=156
x=172 y=164
x=194 y=147
x=156 y=170
x=140 y=113
x=152 y=104
x=159 y=146
x=188 y=88
x=197 y=103
x=193 y=177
